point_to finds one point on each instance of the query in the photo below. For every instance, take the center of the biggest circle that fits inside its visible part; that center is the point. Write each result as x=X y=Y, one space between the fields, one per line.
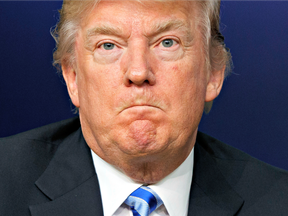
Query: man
x=140 y=73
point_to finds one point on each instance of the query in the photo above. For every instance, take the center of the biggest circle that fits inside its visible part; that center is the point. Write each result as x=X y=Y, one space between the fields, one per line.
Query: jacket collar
x=211 y=194
x=70 y=181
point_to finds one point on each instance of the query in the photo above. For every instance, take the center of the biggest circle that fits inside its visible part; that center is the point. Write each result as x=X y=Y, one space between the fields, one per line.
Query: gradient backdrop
x=250 y=113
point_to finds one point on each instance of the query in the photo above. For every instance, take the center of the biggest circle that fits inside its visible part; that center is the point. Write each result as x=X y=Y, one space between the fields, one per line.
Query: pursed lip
x=142 y=99
x=139 y=105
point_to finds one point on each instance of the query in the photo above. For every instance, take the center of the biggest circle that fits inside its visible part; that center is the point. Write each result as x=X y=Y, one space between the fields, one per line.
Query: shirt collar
x=174 y=189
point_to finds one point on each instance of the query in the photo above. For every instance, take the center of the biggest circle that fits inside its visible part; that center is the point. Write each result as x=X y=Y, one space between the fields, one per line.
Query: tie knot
x=143 y=201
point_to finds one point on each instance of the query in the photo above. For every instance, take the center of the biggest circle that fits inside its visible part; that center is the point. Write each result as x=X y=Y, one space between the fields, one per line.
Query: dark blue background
x=250 y=113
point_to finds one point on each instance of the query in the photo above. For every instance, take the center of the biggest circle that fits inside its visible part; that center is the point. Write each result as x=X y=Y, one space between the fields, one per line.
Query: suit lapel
x=210 y=193
x=70 y=182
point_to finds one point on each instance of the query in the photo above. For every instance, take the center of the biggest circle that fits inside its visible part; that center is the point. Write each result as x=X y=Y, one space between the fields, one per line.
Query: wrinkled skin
x=140 y=82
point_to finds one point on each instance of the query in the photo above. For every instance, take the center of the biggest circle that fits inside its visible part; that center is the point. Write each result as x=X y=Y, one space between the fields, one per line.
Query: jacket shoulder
x=222 y=152
x=26 y=155
x=263 y=187
x=39 y=143
x=53 y=133
x=23 y=159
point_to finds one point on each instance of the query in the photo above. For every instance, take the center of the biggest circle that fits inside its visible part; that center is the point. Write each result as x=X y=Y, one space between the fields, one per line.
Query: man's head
x=140 y=73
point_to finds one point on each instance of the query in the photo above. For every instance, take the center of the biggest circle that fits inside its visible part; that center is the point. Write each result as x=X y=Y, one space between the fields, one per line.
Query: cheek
x=177 y=76
x=98 y=86
x=175 y=68
x=186 y=85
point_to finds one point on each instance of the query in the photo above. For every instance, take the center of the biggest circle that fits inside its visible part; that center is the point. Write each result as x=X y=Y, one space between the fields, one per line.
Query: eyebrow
x=160 y=27
x=156 y=28
x=164 y=26
x=104 y=29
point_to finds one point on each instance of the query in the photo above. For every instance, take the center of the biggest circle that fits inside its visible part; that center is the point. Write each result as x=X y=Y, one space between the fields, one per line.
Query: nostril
x=145 y=81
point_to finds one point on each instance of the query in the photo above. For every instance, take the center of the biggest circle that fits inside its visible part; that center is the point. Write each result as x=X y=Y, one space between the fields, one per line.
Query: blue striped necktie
x=143 y=201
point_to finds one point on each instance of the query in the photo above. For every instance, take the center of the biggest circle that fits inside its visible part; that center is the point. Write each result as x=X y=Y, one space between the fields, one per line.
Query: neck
x=150 y=169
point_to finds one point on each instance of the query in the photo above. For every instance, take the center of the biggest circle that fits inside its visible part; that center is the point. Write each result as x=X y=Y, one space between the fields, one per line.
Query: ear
x=214 y=85
x=70 y=77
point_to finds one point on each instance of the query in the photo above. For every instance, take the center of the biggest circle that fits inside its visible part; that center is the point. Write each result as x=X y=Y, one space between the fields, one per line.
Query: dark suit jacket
x=49 y=172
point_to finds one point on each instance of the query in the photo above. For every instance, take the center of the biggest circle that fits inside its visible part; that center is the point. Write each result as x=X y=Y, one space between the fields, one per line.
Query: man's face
x=140 y=82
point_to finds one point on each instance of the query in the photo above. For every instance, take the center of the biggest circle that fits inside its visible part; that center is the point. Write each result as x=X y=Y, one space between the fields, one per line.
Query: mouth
x=140 y=107
x=143 y=101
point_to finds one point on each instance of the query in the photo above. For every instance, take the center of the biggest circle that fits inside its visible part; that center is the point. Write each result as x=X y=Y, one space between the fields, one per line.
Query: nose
x=139 y=71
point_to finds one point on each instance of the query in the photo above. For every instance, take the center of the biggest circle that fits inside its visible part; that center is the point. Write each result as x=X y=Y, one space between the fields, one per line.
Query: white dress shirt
x=115 y=187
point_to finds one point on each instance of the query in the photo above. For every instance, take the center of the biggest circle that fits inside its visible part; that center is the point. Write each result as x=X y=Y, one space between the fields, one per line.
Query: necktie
x=143 y=201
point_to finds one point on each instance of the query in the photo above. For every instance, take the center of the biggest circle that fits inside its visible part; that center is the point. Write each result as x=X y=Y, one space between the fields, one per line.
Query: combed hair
x=74 y=11
x=216 y=52
x=65 y=31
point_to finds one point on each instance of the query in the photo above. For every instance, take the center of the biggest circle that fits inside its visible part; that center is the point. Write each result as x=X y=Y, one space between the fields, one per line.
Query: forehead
x=131 y=13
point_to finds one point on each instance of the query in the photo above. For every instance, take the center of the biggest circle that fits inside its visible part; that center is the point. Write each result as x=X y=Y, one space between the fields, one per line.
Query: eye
x=167 y=43
x=108 y=46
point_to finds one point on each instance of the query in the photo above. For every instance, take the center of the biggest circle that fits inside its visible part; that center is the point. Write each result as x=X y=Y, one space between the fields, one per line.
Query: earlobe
x=70 y=77
x=214 y=84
